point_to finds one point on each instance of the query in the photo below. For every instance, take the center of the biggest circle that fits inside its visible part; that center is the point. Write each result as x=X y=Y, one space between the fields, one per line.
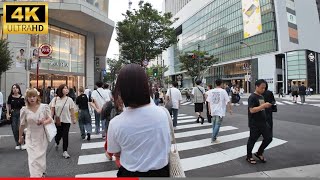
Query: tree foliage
x=193 y=66
x=144 y=34
x=5 y=56
x=114 y=67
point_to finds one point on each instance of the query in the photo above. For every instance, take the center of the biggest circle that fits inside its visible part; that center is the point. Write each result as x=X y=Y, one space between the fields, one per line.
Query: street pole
x=247 y=68
x=198 y=61
x=28 y=62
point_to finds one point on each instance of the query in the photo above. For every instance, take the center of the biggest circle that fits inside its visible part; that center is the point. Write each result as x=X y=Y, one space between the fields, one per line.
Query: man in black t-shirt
x=84 y=115
x=302 y=93
x=258 y=122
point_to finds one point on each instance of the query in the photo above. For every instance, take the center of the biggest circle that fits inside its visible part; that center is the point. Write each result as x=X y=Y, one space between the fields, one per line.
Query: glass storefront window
x=68 y=50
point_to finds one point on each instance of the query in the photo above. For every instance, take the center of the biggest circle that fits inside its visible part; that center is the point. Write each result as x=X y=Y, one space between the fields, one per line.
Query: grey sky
x=116 y=9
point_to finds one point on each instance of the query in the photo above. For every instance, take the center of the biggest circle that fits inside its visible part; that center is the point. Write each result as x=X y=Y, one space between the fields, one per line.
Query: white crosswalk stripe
x=287 y=102
x=187 y=143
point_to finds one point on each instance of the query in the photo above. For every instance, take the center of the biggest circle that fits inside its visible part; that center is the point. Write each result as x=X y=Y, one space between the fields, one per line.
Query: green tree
x=5 y=57
x=160 y=73
x=145 y=33
x=195 y=63
x=114 y=67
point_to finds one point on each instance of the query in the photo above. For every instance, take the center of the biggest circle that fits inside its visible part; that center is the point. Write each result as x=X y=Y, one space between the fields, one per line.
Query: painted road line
x=279 y=103
x=207 y=142
x=94 y=145
x=223 y=156
x=201 y=132
x=186 y=103
x=245 y=103
x=287 y=102
x=186 y=117
x=93 y=158
x=99 y=174
x=317 y=105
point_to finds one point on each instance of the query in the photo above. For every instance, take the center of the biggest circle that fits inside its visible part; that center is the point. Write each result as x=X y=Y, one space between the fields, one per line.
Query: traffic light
x=155 y=72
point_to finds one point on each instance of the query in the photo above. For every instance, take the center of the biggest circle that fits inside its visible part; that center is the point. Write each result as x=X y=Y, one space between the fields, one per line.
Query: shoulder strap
x=100 y=95
x=200 y=90
x=63 y=106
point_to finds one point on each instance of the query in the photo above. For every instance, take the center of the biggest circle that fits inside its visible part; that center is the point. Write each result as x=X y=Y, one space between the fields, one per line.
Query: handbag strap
x=173 y=139
x=62 y=107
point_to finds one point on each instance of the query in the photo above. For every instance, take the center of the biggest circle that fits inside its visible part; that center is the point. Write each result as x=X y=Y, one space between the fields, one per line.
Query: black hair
x=174 y=84
x=259 y=82
x=198 y=82
x=99 y=84
x=218 y=82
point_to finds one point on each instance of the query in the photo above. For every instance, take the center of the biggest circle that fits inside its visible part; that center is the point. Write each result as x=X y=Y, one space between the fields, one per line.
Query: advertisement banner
x=251 y=14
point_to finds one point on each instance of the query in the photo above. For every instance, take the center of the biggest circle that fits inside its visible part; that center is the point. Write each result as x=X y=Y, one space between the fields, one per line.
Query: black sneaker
x=202 y=120
x=88 y=137
x=197 y=121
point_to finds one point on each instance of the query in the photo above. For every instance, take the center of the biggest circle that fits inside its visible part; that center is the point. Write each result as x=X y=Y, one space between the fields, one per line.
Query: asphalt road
x=296 y=143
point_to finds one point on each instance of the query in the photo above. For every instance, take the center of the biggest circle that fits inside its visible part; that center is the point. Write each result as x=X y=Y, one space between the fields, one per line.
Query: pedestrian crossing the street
x=191 y=138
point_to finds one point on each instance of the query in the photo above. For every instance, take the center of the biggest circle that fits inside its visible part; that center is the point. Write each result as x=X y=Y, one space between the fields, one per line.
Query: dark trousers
x=63 y=132
x=85 y=122
x=255 y=133
x=163 y=172
x=15 y=124
x=270 y=121
x=208 y=114
x=97 y=118
x=174 y=114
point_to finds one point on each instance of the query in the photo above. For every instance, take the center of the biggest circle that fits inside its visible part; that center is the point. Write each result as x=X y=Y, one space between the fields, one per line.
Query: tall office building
x=174 y=6
x=79 y=33
x=270 y=39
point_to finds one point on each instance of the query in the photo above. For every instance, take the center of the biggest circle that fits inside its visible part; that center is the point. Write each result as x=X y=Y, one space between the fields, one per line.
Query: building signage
x=292 y=21
x=311 y=57
x=45 y=50
x=251 y=14
x=60 y=64
x=25 y=18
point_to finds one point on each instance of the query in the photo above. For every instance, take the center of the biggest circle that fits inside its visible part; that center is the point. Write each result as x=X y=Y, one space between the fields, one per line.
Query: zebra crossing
x=281 y=103
x=187 y=145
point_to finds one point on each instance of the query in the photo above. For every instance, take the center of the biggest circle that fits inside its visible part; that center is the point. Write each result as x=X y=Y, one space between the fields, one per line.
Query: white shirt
x=142 y=135
x=87 y=92
x=218 y=99
x=175 y=97
x=101 y=98
x=58 y=105
x=109 y=93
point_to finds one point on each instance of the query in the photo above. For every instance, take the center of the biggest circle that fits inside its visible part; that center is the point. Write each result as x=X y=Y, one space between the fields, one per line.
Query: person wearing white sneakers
x=218 y=99
x=62 y=108
x=14 y=104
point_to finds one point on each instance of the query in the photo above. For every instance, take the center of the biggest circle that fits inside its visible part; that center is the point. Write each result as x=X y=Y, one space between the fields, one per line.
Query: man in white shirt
x=174 y=95
x=100 y=97
x=218 y=100
x=198 y=97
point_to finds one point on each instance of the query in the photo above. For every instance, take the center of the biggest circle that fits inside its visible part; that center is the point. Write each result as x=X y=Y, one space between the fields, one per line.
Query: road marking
x=245 y=102
x=310 y=171
x=287 y=102
x=94 y=145
x=201 y=132
x=100 y=174
x=1 y=136
x=317 y=105
x=187 y=163
x=186 y=117
x=207 y=142
x=223 y=156
x=179 y=115
x=279 y=103
x=186 y=103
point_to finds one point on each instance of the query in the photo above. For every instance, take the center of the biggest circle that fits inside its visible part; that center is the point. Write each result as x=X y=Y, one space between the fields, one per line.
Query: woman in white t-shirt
x=140 y=135
x=63 y=106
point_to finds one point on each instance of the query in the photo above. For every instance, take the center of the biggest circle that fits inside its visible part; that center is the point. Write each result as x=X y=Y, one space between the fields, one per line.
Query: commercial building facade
x=268 y=39
x=79 y=33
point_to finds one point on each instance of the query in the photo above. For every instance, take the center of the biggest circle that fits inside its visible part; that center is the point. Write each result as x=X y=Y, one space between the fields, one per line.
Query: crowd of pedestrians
x=133 y=119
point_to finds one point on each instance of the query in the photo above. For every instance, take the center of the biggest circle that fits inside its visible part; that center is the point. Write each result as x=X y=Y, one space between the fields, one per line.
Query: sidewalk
x=294 y=172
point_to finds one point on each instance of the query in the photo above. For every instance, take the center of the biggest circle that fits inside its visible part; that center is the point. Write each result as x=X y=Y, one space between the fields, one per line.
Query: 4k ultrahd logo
x=25 y=17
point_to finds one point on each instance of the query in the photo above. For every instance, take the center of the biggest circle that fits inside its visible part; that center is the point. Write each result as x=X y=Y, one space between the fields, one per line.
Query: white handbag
x=175 y=166
x=50 y=130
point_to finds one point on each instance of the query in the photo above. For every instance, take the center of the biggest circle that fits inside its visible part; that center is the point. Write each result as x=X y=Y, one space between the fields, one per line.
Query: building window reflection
x=68 y=50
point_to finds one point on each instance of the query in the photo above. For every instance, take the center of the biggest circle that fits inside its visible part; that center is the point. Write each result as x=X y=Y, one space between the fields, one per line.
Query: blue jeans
x=97 y=121
x=157 y=101
x=216 y=123
x=174 y=112
x=85 y=122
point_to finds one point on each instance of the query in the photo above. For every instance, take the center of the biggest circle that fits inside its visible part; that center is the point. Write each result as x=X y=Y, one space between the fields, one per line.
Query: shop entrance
x=54 y=81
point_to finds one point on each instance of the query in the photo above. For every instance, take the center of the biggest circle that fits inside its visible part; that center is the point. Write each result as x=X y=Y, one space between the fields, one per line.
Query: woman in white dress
x=34 y=116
